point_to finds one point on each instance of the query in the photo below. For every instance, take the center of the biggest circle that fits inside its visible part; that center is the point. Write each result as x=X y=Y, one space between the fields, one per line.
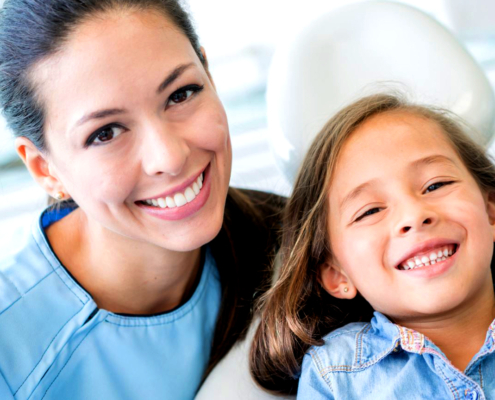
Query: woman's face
x=132 y=122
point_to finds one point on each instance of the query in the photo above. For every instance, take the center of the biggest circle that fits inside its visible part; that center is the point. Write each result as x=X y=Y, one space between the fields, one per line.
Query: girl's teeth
x=154 y=202
x=426 y=260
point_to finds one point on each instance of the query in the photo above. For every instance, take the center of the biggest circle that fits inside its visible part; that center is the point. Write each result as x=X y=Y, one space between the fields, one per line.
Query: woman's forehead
x=109 y=61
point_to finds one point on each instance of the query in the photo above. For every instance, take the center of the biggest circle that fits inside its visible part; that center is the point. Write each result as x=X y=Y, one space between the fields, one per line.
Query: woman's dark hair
x=31 y=30
x=297 y=312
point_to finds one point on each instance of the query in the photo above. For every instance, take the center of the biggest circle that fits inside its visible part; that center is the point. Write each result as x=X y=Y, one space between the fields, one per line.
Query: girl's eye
x=105 y=134
x=436 y=185
x=371 y=211
x=184 y=93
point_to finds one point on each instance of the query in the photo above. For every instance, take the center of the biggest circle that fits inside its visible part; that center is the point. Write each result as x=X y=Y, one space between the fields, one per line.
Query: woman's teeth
x=431 y=258
x=178 y=199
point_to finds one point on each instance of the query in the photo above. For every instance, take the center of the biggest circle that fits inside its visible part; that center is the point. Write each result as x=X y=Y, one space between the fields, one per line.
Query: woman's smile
x=180 y=202
x=140 y=140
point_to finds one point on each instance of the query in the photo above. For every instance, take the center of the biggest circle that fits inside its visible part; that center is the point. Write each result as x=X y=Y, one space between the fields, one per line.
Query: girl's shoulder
x=340 y=346
x=356 y=346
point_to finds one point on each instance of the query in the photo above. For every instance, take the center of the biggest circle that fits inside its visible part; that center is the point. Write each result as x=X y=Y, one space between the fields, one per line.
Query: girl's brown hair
x=297 y=312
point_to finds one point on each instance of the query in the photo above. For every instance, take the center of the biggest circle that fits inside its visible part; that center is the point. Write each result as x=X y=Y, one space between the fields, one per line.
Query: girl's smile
x=409 y=227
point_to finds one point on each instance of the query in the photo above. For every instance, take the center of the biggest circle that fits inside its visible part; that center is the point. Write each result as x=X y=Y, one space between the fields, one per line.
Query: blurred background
x=240 y=38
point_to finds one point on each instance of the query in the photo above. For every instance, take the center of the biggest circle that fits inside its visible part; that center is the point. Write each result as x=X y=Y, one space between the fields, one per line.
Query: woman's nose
x=164 y=152
x=415 y=216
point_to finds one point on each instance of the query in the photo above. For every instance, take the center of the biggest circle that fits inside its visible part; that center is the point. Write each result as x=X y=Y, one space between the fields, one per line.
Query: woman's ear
x=38 y=166
x=335 y=281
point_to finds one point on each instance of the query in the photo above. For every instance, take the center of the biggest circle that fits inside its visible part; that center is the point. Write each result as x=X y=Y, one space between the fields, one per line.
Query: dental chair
x=361 y=49
x=349 y=52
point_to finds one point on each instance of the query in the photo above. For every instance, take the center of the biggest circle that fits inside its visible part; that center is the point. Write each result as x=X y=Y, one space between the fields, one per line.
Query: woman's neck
x=123 y=275
x=461 y=333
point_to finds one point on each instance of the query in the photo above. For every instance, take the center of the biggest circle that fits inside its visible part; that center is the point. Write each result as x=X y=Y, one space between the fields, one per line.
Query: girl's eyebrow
x=355 y=193
x=434 y=159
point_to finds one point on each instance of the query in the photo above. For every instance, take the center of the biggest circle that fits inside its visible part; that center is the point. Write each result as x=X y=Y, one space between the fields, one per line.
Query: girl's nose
x=415 y=216
x=164 y=152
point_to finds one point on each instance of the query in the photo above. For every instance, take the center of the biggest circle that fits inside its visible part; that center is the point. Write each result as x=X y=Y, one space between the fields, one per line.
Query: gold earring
x=60 y=195
x=346 y=289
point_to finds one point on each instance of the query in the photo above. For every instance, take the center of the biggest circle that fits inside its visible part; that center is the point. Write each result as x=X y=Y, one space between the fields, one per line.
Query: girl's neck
x=122 y=275
x=461 y=333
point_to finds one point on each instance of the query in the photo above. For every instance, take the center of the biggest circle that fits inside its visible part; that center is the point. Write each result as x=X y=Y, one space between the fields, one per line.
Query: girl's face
x=410 y=229
x=133 y=118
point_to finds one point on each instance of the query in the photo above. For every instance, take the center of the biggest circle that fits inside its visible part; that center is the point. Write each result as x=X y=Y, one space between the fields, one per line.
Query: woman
x=142 y=278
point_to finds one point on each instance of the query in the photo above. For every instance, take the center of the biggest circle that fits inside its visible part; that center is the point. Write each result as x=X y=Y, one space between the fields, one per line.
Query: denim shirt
x=381 y=360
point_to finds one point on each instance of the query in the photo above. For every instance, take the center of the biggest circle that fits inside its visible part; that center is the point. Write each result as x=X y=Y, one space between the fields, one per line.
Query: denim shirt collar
x=383 y=337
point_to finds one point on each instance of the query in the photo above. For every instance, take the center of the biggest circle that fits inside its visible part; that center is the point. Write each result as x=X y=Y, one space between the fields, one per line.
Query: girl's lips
x=434 y=270
x=424 y=248
x=186 y=210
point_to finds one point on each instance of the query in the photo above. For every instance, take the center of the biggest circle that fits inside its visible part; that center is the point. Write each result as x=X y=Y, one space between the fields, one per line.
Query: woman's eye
x=182 y=94
x=371 y=211
x=105 y=134
x=436 y=185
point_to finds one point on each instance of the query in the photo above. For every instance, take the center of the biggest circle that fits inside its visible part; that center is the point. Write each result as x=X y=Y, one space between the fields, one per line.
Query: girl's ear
x=490 y=210
x=335 y=281
x=38 y=166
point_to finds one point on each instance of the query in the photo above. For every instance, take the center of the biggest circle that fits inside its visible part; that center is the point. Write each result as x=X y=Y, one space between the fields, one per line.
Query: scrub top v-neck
x=56 y=344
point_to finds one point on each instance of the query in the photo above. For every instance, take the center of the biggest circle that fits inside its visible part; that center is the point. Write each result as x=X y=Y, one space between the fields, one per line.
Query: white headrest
x=361 y=49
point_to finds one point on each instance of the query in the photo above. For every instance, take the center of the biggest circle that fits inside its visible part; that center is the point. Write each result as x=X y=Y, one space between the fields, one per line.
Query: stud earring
x=60 y=195
x=346 y=289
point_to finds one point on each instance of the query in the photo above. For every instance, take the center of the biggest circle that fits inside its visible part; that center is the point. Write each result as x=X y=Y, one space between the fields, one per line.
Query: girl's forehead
x=387 y=145
x=395 y=132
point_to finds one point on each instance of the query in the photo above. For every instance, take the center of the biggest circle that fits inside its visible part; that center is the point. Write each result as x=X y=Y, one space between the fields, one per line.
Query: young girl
x=393 y=212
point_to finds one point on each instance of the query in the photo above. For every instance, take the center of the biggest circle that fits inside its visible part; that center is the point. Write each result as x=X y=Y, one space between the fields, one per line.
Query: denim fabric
x=56 y=344
x=381 y=360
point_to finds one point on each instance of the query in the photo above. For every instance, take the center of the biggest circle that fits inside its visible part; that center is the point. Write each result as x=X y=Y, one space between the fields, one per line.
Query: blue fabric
x=56 y=344
x=380 y=360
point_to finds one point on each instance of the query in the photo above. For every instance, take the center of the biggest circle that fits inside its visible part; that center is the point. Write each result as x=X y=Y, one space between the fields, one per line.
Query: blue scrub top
x=56 y=344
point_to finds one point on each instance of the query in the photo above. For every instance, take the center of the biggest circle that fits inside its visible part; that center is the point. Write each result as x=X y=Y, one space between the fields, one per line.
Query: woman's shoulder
x=37 y=302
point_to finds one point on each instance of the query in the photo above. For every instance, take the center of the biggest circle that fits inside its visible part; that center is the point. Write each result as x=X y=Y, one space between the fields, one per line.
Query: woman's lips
x=181 y=204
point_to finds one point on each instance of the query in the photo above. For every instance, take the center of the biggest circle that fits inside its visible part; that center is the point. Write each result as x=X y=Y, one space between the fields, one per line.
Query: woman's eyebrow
x=173 y=76
x=100 y=114
x=178 y=71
